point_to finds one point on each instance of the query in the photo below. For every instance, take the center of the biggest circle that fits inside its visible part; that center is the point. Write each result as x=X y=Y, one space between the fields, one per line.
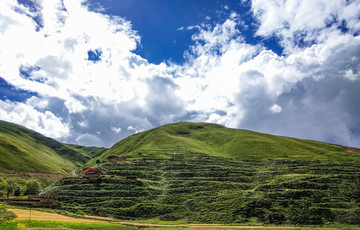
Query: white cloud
x=275 y=108
x=116 y=130
x=56 y=59
x=134 y=130
x=307 y=21
x=253 y=87
x=44 y=122
x=75 y=106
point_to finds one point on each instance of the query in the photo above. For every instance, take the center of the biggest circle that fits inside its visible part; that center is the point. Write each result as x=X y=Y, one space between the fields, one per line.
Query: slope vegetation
x=217 y=140
x=205 y=173
x=25 y=150
x=196 y=188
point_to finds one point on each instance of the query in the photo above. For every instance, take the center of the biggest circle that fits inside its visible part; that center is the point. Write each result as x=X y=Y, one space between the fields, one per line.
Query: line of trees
x=18 y=187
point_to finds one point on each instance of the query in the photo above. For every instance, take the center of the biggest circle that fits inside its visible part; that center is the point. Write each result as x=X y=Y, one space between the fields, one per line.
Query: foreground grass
x=41 y=224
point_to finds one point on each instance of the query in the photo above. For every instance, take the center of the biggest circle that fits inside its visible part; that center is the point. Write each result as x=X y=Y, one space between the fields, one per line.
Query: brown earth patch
x=349 y=151
x=31 y=174
x=26 y=214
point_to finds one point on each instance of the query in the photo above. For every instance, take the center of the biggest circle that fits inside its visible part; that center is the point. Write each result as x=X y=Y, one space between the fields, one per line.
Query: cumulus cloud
x=275 y=108
x=303 y=23
x=43 y=122
x=78 y=60
x=251 y=87
x=116 y=130
x=91 y=88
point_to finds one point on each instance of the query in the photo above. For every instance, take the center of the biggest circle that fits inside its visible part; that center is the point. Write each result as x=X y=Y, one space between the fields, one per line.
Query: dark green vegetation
x=24 y=150
x=17 y=187
x=5 y=214
x=202 y=189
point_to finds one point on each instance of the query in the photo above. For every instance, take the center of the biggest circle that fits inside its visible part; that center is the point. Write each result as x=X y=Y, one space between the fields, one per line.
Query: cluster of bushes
x=5 y=214
x=18 y=187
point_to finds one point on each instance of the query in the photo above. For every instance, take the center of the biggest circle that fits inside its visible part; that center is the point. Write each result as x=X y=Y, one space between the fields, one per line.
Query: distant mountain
x=22 y=149
x=219 y=141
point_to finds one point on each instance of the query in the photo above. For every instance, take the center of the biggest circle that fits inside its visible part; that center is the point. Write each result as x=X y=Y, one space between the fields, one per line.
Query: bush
x=5 y=214
x=33 y=187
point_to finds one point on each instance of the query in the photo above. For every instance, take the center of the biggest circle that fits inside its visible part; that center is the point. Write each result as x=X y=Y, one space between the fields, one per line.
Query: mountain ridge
x=26 y=150
x=217 y=140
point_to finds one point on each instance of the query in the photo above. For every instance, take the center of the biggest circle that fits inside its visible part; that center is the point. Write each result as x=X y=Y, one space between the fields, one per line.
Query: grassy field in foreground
x=42 y=220
x=38 y=224
x=41 y=224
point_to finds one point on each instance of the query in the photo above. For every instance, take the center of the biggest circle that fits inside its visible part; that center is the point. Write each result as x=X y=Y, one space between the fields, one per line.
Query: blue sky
x=93 y=72
x=159 y=22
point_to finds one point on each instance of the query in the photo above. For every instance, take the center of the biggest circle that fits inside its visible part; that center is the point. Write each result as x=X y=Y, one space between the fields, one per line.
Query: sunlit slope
x=26 y=150
x=217 y=140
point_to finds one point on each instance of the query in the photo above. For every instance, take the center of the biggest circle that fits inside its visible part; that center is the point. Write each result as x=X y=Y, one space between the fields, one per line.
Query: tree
x=17 y=191
x=32 y=187
x=8 y=186
x=3 y=186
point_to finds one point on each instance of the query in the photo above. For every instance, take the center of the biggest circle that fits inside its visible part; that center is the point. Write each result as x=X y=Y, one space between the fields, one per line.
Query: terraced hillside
x=198 y=188
x=22 y=149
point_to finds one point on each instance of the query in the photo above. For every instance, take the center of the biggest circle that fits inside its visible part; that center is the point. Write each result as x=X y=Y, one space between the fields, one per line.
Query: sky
x=94 y=72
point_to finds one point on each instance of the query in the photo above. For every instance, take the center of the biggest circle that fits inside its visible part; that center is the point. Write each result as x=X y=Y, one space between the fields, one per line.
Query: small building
x=114 y=158
x=43 y=200
x=91 y=173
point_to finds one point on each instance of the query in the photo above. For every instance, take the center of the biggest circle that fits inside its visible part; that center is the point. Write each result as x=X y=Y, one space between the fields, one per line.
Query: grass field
x=42 y=220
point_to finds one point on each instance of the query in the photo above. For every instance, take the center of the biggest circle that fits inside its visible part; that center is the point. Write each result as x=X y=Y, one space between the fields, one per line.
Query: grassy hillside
x=206 y=173
x=217 y=140
x=24 y=150
x=197 y=188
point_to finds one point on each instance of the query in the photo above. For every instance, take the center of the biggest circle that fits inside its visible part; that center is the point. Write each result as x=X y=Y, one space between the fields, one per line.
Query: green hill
x=219 y=141
x=206 y=173
x=22 y=149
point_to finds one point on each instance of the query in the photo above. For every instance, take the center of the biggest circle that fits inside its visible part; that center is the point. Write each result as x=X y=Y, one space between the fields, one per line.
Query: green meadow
x=219 y=141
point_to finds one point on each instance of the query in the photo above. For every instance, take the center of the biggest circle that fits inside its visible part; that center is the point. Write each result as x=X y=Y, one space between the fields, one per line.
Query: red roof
x=91 y=171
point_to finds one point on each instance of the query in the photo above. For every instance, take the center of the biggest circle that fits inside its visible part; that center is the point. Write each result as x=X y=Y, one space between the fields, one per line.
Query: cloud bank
x=87 y=86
